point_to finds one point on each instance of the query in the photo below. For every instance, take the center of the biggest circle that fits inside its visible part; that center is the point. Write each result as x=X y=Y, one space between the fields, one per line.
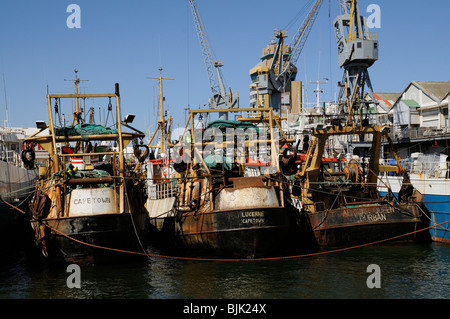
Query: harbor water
x=405 y=271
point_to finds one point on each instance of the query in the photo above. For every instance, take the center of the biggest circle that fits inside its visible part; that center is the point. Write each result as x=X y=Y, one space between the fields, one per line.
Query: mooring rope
x=237 y=259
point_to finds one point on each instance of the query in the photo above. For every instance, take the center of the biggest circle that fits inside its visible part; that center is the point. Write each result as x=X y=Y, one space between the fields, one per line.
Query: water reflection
x=407 y=271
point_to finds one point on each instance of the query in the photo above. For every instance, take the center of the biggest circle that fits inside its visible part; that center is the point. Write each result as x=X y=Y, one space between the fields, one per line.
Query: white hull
x=436 y=194
x=15 y=182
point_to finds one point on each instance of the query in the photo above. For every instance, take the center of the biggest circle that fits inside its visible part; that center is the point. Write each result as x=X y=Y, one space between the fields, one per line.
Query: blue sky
x=126 y=41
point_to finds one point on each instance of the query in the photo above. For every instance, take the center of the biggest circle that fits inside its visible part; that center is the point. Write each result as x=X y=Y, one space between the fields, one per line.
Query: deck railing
x=419 y=133
x=162 y=190
x=429 y=166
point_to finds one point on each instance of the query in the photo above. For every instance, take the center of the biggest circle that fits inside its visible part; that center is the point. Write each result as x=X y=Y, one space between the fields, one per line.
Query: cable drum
x=350 y=174
x=353 y=172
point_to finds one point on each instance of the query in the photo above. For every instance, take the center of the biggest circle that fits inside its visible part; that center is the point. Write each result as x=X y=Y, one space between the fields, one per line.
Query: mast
x=6 y=102
x=162 y=120
x=77 y=113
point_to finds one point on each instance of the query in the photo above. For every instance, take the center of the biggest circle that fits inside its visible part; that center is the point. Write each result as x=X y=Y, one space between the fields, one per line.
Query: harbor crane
x=282 y=70
x=221 y=99
x=357 y=51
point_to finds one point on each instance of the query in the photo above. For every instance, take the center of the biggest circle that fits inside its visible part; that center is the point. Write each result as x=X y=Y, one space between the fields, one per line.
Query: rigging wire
x=303 y=11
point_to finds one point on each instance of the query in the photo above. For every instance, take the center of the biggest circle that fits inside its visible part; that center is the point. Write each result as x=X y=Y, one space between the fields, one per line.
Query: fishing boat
x=16 y=185
x=428 y=173
x=203 y=197
x=341 y=199
x=203 y=200
x=89 y=202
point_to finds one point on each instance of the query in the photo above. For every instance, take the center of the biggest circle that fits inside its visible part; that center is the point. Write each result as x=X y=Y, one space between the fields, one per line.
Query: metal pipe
x=89 y=181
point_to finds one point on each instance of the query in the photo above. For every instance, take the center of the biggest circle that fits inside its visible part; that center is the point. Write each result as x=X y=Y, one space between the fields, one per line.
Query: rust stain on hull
x=365 y=223
x=248 y=220
x=245 y=233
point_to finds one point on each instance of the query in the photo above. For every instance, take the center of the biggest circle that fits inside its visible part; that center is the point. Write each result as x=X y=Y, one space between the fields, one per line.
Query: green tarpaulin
x=212 y=161
x=84 y=129
x=231 y=124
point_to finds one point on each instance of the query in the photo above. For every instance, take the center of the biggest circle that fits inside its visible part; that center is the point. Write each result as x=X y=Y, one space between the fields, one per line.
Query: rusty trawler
x=205 y=198
x=88 y=204
x=211 y=192
x=341 y=198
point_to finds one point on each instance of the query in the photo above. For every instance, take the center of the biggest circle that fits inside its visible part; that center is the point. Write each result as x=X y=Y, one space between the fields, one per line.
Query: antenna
x=77 y=113
x=76 y=80
x=6 y=102
x=318 y=90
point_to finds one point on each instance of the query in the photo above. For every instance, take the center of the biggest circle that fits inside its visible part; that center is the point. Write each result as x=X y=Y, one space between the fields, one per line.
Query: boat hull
x=16 y=184
x=92 y=239
x=436 y=199
x=365 y=224
x=14 y=225
x=440 y=233
x=247 y=220
x=240 y=233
